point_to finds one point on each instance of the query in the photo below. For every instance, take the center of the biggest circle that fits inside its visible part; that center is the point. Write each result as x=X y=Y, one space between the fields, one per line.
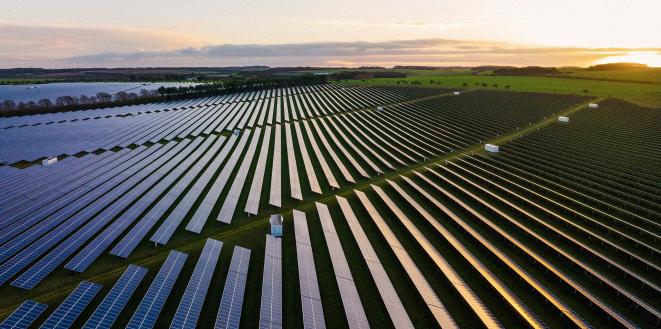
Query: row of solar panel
x=49 y=118
x=147 y=312
x=90 y=135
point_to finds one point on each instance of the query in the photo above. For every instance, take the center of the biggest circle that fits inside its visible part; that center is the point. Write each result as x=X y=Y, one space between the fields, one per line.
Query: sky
x=121 y=33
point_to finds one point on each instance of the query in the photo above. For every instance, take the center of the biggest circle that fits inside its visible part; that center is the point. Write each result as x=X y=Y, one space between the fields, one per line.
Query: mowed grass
x=640 y=93
x=651 y=75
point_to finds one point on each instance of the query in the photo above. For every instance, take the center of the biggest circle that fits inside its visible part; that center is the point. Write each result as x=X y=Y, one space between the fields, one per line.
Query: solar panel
x=313 y=313
x=294 y=181
x=112 y=305
x=332 y=181
x=331 y=152
x=150 y=307
x=353 y=309
x=202 y=214
x=270 y=313
x=252 y=205
x=24 y=315
x=65 y=314
x=275 y=195
x=307 y=163
x=229 y=312
x=46 y=265
x=137 y=233
x=191 y=303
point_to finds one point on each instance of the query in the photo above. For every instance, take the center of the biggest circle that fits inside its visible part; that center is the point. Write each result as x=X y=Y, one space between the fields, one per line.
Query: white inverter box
x=593 y=105
x=48 y=162
x=563 y=119
x=491 y=148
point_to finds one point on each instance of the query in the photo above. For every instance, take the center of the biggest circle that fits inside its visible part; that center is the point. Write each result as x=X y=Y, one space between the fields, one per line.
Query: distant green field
x=639 y=93
x=652 y=75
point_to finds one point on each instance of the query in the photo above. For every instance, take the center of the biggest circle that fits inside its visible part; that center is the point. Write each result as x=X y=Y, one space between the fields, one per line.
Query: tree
x=507 y=86
x=9 y=104
x=45 y=102
x=465 y=84
x=495 y=85
x=103 y=97
x=484 y=84
x=121 y=95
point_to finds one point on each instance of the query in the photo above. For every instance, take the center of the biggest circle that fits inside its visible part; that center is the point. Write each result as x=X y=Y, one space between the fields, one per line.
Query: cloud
x=48 y=46
x=421 y=51
x=27 y=45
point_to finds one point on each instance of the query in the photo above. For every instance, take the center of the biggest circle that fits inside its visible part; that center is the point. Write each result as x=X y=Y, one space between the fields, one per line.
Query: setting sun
x=649 y=58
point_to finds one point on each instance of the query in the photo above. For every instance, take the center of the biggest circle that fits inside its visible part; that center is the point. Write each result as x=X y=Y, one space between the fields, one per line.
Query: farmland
x=647 y=94
x=394 y=216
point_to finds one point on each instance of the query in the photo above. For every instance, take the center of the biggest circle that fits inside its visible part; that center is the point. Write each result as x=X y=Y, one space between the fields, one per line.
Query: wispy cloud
x=58 y=46
x=422 y=51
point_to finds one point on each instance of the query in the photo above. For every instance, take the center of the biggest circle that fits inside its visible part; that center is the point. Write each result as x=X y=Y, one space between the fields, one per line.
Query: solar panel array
x=191 y=303
x=65 y=314
x=75 y=209
x=231 y=303
x=313 y=312
x=270 y=313
x=112 y=305
x=24 y=315
x=146 y=314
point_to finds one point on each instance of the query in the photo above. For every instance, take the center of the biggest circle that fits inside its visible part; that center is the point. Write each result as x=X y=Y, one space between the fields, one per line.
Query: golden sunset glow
x=649 y=58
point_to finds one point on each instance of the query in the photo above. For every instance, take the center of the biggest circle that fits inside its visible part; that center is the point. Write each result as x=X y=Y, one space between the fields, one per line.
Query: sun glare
x=649 y=58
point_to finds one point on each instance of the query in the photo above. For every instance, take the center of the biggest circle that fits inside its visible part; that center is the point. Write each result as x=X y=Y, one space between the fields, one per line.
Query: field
x=390 y=205
x=651 y=75
x=639 y=93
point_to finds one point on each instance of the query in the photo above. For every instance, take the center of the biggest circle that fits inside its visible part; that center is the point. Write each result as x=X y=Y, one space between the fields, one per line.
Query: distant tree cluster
x=344 y=75
x=528 y=70
x=616 y=66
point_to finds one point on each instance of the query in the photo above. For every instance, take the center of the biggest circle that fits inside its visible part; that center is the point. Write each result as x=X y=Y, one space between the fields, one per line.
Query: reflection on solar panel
x=313 y=313
x=147 y=312
x=24 y=315
x=229 y=312
x=252 y=205
x=294 y=181
x=353 y=308
x=70 y=309
x=275 y=197
x=105 y=315
x=388 y=294
x=435 y=305
x=270 y=313
x=191 y=303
